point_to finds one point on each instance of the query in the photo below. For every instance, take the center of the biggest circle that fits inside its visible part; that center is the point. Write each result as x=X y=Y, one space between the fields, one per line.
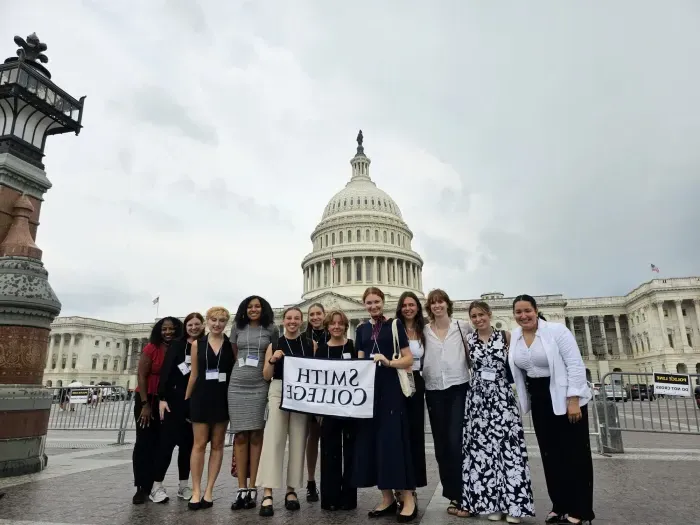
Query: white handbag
x=408 y=383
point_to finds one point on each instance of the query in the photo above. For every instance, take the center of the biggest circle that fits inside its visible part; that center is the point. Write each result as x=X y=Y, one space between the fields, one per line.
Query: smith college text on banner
x=326 y=387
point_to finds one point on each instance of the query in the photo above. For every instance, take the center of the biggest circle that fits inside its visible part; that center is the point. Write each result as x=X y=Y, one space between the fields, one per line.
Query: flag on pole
x=332 y=261
x=156 y=300
x=655 y=268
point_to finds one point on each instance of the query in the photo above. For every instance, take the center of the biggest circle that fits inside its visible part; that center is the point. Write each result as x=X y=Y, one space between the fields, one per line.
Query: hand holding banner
x=329 y=387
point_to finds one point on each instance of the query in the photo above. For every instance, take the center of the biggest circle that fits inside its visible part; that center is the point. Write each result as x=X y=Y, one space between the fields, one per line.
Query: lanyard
x=325 y=336
x=247 y=341
x=301 y=342
x=206 y=355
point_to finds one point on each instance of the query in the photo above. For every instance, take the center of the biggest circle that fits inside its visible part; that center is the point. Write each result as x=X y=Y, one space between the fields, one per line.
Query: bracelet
x=271 y=361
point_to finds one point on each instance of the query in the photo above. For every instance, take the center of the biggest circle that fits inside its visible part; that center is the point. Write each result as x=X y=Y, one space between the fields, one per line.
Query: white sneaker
x=496 y=516
x=511 y=519
x=158 y=495
x=184 y=493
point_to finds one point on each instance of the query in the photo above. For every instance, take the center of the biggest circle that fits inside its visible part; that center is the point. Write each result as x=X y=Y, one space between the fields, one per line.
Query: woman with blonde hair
x=337 y=434
x=282 y=425
x=212 y=361
x=495 y=470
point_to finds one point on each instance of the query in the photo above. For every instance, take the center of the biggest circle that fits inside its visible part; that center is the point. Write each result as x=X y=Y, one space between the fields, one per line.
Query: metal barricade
x=91 y=407
x=529 y=428
x=639 y=409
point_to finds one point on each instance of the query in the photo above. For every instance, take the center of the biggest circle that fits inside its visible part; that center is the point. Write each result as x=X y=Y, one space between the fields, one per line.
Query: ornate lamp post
x=32 y=107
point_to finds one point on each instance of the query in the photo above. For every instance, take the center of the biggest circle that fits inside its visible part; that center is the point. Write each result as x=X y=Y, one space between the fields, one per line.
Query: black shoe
x=407 y=518
x=557 y=519
x=194 y=505
x=311 y=492
x=266 y=510
x=387 y=511
x=250 y=501
x=140 y=497
x=291 y=504
x=206 y=504
x=239 y=503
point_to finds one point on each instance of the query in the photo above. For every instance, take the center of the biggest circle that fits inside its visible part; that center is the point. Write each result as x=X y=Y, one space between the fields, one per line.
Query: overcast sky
x=533 y=147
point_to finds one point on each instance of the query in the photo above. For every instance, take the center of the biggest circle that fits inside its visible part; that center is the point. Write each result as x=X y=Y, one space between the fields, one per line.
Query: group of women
x=192 y=385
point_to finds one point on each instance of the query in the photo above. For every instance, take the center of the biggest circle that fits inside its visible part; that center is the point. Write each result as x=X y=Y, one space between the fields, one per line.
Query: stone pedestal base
x=24 y=417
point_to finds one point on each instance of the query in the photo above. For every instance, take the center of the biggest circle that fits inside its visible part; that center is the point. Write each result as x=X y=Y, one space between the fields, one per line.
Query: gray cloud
x=537 y=148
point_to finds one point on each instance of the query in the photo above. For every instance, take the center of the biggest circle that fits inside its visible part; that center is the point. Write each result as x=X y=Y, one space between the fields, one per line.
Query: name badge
x=212 y=375
x=188 y=359
x=252 y=360
x=347 y=355
x=184 y=368
x=488 y=374
x=222 y=377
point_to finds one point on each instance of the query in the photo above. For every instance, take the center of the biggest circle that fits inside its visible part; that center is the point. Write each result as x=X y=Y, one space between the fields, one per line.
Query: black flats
x=289 y=504
x=387 y=511
x=311 y=492
x=201 y=504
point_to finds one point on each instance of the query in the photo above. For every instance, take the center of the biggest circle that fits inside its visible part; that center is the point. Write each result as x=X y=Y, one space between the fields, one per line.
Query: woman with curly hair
x=252 y=332
x=163 y=333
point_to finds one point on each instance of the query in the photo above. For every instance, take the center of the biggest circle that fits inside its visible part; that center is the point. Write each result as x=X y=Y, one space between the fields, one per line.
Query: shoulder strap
x=395 y=338
x=464 y=344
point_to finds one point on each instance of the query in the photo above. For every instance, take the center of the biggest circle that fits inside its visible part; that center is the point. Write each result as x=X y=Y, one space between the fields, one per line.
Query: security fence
x=635 y=404
x=91 y=407
x=623 y=401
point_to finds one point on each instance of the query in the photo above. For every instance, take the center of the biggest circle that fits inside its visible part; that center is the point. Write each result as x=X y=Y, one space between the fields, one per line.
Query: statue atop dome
x=360 y=139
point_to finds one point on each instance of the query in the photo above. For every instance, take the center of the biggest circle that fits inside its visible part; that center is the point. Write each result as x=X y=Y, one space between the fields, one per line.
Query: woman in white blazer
x=550 y=378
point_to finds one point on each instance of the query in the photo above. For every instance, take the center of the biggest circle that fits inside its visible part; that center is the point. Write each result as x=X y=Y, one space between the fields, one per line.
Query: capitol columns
x=681 y=324
x=618 y=333
x=589 y=344
x=601 y=321
x=662 y=325
x=696 y=305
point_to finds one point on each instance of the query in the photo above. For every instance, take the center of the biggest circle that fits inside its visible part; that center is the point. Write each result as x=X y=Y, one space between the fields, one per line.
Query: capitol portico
x=363 y=240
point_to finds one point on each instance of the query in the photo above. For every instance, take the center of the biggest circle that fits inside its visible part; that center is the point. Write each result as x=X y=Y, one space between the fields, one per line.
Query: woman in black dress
x=315 y=330
x=212 y=361
x=410 y=312
x=337 y=434
x=383 y=455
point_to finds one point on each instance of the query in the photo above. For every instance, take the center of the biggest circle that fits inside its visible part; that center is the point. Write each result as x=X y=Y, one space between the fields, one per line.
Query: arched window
x=367 y=235
x=376 y=235
x=392 y=239
x=348 y=273
x=358 y=271
x=359 y=235
x=332 y=239
x=349 y=235
x=384 y=232
x=340 y=238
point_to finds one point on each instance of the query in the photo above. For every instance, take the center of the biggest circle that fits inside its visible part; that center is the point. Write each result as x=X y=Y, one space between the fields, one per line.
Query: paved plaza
x=88 y=481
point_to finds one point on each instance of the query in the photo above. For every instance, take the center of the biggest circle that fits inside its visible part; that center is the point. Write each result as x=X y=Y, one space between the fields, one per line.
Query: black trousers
x=446 y=413
x=147 y=438
x=337 y=451
x=566 y=454
x=175 y=431
x=416 y=424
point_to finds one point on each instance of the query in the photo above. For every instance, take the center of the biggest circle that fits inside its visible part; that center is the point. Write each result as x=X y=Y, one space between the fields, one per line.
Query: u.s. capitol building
x=363 y=240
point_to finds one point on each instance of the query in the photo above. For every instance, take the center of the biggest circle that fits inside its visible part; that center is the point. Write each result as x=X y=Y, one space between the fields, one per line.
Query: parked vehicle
x=641 y=391
x=616 y=392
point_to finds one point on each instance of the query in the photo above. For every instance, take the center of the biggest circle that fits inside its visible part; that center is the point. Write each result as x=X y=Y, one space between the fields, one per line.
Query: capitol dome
x=362 y=240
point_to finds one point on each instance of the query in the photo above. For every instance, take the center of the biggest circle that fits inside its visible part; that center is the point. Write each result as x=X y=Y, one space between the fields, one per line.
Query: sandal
x=266 y=510
x=453 y=508
x=291 y=504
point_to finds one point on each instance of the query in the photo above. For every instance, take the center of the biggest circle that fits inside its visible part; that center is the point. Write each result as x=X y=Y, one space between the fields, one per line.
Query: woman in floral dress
x=495 y=470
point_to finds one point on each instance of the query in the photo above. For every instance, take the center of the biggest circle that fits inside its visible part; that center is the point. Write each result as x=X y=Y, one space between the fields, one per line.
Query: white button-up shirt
x=532 y=360
x=445 y=362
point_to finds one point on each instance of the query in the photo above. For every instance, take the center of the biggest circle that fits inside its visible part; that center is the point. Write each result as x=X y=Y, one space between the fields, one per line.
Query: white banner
x=329 y=387
x=672 y=384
